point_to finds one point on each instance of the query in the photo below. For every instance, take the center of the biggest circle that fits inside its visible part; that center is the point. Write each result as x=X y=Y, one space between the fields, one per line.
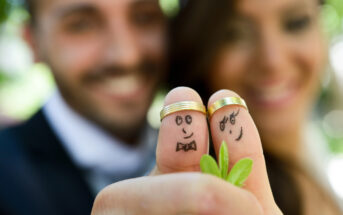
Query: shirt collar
x=89 y=146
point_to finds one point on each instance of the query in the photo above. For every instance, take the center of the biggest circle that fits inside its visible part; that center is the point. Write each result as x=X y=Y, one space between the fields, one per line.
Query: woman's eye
x=297 y=25
x=238 y=33
x=232 y=35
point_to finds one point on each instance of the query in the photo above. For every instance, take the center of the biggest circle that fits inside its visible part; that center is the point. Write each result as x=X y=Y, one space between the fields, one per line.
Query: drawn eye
x=232 y=119
x=178 y=120
x=188 y=119
x=222 y=123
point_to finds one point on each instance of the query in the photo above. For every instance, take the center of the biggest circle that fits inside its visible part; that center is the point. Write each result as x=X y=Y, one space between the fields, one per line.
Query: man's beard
x=84 y=105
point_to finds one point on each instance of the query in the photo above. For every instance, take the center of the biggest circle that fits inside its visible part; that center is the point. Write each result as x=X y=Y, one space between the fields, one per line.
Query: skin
x=107 y=57
x=194 y=193
x=273 y=59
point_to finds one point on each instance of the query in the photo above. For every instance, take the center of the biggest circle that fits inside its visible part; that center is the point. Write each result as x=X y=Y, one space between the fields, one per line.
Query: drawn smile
x=189 y=136
x=240 y=135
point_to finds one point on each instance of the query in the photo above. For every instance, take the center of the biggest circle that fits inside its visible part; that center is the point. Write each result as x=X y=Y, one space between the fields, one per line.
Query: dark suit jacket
x=36 y=174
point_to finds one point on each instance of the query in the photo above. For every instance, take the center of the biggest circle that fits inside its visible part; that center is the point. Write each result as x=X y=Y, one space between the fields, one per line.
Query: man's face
x=107 y=56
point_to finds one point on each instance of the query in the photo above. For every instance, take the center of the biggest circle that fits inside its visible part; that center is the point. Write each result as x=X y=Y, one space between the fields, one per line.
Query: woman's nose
x=271 y=52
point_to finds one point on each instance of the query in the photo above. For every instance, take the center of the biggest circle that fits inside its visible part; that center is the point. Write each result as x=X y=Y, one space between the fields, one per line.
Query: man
x=107 y=58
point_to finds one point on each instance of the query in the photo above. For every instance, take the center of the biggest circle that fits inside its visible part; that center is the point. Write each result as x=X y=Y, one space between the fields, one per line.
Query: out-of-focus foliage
x=3 y=78
x=333 y=16
x=4 y=10
x=24 y=85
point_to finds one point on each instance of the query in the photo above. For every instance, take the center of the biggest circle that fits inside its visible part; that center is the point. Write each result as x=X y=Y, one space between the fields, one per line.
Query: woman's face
x=273 y=54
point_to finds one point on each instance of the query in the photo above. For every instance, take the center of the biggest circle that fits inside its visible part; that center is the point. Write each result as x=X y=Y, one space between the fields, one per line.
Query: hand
x=169 y=192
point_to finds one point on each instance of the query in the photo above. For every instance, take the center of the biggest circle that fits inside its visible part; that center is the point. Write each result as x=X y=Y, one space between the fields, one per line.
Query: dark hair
x=194 y=35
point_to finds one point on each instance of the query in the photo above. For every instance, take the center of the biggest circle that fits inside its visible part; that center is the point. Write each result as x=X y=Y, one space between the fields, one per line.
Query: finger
x=183 y=136
x=181 y=193
x=234 y=124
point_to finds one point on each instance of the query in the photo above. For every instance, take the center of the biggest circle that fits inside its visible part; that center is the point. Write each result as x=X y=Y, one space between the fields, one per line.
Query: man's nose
x=184 y=131
x=122 y=45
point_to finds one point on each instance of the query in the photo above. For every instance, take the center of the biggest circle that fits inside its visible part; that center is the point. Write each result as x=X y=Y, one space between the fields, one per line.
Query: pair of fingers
x=184 y=138
x=182 y=141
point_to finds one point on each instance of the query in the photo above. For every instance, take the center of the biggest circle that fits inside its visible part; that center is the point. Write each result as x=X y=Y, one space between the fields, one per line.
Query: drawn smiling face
x=189 y=145
x=232 y=118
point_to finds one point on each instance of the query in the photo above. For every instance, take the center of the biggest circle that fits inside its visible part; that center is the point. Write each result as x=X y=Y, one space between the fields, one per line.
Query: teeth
x=273 y=96
x=274 y=93
x=273 y=89
x=126 y=84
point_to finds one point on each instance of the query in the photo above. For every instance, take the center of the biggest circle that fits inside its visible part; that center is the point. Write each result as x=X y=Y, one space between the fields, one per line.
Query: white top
x=104 y=158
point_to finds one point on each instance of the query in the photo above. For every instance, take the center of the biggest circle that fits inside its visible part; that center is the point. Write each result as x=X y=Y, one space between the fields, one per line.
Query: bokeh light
x=336 y=58
x=170 y=7
x=333 y=124
x=335 y=174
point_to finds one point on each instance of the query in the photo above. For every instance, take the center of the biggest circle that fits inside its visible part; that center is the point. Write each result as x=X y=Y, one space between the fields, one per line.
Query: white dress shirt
x=103 y=158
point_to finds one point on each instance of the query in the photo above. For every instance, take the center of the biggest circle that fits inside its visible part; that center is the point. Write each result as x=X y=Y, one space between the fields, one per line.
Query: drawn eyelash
x=222 y=123
x=233 y=117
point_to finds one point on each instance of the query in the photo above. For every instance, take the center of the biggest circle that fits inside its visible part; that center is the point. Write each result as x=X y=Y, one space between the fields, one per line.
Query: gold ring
x=180 y=106
x=226 y=102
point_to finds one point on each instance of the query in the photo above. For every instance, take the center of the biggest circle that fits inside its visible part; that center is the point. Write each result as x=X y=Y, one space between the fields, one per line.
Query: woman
x=272 y=53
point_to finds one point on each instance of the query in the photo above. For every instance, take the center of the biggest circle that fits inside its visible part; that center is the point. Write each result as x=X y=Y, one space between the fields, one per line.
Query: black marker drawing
x=233 y=117
x=223 y=122
x=240 y=135
x=180 y=146
x=189 y=136
x=188 y=119
x=178 y=120
x=186 y=146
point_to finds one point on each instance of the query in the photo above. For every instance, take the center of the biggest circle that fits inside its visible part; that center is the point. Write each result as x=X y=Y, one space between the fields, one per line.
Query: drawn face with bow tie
x=188 y=143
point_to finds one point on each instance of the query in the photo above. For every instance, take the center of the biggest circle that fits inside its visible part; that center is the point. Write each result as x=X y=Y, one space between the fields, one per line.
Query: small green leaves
x=223 y=160
x=209 y=165
x=239 y=172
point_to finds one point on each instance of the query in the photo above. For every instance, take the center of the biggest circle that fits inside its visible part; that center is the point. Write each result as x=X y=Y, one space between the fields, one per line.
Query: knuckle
x=212 y=196
x=208 y=197
x=253 y=204
x=103 y=201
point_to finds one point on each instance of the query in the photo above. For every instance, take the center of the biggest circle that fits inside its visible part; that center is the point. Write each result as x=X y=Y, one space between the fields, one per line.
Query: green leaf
x=223 y=160
x=240 y=172
x=209 y=165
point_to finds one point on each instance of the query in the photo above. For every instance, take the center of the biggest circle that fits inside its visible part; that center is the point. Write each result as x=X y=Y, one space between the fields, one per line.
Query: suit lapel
x=63 y=183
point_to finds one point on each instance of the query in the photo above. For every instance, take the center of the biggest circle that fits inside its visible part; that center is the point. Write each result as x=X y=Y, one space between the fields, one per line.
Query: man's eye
x=298 y=24
x=80 y=26
x=148 y=18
